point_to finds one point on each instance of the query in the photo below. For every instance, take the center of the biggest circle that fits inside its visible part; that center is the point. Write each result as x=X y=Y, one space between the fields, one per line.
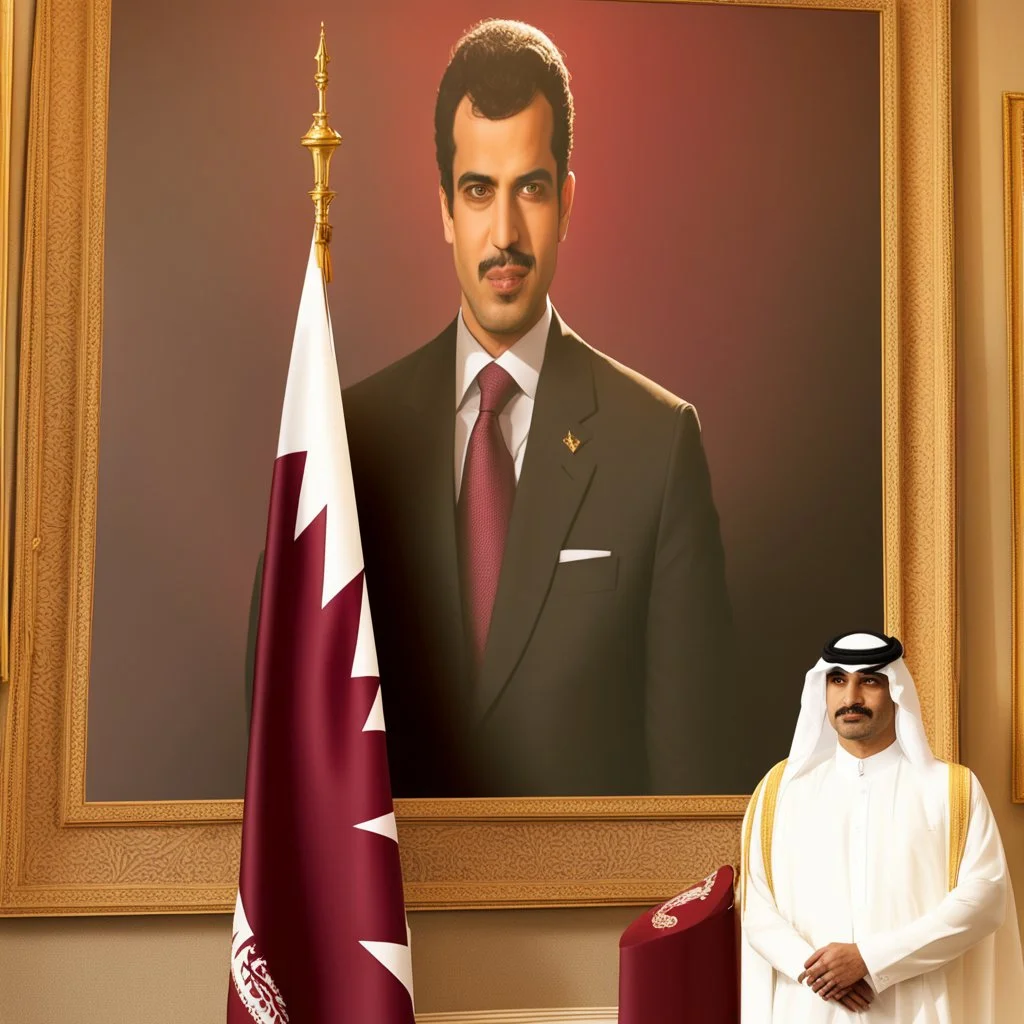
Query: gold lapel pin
x=571 y=442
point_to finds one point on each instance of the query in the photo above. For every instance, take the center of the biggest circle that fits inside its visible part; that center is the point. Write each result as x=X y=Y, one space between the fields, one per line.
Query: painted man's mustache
x=854 y=709
x=507 y=258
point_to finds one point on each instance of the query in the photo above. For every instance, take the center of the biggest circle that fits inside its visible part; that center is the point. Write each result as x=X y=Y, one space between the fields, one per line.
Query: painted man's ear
x=446 y=214
x=565 y=207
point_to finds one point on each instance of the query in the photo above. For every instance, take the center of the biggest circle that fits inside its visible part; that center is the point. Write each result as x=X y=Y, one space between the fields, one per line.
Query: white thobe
x=859 y=854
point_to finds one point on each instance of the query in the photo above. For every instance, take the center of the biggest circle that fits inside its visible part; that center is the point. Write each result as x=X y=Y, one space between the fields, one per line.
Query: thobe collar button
x=863 y=769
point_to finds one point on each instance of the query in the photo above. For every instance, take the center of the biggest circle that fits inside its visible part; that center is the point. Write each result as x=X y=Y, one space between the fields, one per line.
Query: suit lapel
x=431 y=494
x=552 y=484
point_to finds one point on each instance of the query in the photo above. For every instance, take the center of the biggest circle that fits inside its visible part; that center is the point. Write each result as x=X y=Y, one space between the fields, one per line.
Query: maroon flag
x=319 y=932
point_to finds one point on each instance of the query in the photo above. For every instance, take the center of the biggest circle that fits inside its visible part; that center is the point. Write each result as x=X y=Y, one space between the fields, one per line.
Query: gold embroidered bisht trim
x=770 y=784
x=959 y=818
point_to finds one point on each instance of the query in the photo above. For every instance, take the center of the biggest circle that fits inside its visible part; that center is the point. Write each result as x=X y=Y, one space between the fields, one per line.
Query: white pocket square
x=578 y=554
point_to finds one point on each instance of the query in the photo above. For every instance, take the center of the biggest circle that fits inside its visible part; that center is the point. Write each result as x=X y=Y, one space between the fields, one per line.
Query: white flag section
x=395 y=958
x=320 y=883
x=312 y=422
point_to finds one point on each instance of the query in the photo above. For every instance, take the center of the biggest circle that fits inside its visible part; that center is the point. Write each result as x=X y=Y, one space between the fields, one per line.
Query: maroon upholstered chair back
x=679 y=962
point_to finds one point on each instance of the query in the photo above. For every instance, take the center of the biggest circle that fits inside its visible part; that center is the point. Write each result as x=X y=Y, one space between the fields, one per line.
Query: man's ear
x=565 y=205
x=446 y=215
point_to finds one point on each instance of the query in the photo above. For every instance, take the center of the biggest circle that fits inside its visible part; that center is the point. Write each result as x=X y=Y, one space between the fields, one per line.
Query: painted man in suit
x=543 y=557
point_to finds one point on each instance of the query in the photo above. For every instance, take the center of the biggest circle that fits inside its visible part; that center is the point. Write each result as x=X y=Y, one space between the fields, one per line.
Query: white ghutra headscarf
x=814 y=740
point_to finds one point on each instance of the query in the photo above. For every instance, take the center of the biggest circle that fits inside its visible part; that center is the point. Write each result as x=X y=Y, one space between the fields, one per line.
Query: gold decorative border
x=6 y=126
x=581 y=1015
x=1013 y=200
x=61 y=855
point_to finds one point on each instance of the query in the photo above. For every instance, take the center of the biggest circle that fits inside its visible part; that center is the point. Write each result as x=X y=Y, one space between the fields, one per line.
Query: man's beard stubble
x=518 y=325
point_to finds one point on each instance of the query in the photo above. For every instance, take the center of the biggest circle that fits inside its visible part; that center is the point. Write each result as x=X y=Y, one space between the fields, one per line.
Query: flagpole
x=322 y=140
x=319 y=931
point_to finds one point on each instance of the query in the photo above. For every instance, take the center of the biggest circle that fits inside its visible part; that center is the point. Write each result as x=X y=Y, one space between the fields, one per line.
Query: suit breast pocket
x=586 y=575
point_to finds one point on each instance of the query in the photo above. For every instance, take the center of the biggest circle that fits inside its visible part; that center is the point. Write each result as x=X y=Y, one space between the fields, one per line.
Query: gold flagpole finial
x=321 y=140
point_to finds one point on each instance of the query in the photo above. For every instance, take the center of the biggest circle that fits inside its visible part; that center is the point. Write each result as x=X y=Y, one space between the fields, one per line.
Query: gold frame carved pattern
x=1013 y=193
x=62 y=855
x=6 y=320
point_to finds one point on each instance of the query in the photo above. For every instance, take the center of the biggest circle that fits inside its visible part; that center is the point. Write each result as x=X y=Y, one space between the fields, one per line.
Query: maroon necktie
x=485 y=506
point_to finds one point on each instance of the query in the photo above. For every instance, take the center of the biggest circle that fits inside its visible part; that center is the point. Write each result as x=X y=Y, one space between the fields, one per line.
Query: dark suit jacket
x=600 y=676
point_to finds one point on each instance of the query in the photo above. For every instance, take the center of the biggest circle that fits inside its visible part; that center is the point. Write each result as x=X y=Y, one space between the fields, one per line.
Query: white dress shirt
x=523 y=362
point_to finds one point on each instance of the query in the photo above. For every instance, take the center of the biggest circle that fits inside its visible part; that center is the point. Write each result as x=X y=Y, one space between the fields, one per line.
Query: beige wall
x=167 y=969
x=160 y=970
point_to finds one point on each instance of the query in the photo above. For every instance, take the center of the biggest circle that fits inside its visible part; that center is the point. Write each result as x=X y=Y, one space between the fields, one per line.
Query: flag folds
x=319 y=933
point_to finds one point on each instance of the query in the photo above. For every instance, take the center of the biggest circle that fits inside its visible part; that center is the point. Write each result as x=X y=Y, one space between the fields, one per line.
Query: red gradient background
x=725 y=241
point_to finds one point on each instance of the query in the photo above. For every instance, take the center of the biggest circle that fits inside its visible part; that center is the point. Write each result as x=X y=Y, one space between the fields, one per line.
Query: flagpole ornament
x=321 y=140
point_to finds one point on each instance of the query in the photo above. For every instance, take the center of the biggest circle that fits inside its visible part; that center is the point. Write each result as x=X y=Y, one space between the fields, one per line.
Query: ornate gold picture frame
x=6 y=317
x=62 y=855
x=1013 y=187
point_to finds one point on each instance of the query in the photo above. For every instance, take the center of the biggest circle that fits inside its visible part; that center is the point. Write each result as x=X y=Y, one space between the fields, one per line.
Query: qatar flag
x=319 y=932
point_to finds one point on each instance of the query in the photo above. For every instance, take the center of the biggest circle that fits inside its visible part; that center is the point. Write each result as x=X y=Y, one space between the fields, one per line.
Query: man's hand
x=834 y=968
x=858 y=998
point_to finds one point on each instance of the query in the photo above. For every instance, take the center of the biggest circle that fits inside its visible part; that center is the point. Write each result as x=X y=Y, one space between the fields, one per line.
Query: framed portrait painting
x=754 y=229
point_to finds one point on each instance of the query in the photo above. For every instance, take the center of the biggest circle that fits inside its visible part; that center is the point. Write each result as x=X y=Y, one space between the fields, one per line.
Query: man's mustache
x=506 y=258
x=854 y=709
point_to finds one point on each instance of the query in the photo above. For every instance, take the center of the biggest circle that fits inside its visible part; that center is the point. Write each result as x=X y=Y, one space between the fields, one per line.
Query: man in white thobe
x=875 y=883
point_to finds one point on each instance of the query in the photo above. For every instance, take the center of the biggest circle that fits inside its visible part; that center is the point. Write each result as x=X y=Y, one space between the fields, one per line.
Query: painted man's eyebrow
x=474 y=178
x=537 y=174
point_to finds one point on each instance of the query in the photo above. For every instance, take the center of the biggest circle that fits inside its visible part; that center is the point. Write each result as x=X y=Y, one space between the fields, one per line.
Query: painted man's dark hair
x=501 y=65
